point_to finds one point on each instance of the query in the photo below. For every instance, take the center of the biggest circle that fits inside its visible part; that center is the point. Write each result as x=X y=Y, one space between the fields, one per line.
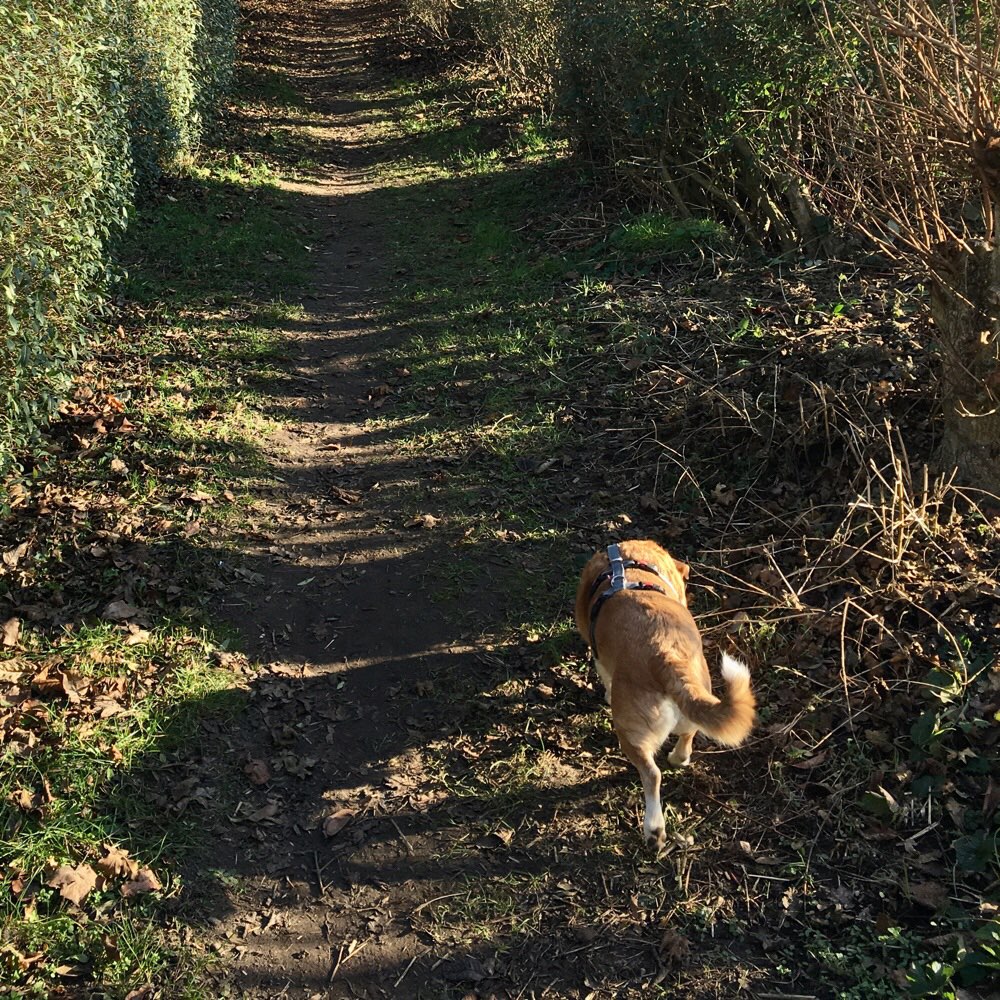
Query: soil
x=348 y=638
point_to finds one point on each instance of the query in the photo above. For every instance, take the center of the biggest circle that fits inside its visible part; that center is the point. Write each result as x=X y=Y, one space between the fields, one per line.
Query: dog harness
x=616 y=574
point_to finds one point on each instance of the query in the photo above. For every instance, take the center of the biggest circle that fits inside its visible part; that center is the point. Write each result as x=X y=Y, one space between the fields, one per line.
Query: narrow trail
x=334 y=609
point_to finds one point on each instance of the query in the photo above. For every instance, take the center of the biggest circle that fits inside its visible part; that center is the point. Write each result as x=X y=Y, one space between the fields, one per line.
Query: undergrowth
x=581 y=372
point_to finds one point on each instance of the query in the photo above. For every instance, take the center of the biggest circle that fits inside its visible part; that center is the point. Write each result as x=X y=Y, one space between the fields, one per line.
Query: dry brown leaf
x=10 y=632
x=933 y=895
x=119 y=467
x=423 y=521
x=105 y=707
x=13 y=671
x=26 y=799
x=13 y=556
x=137 y=636
x=814 y=761
x=74 y=686
x=991 y=797
x=145 y=881
x=258 y=772
x=344 y=496
x=674 y=946
x=263 y=814
x=336 y=821
x=117 y=863
x=119 y=611
x=25 y=962
x=45 y=682
x=73 y=884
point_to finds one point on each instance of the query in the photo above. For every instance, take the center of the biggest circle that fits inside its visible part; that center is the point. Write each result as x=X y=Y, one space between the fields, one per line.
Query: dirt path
x=335 y=611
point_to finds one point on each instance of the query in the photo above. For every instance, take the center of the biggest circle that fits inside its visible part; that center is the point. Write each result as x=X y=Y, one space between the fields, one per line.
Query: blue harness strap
x=616 y=574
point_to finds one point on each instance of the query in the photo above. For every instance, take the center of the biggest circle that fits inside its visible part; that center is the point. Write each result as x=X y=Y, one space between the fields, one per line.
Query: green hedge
x=95 y=100
x=698 y=106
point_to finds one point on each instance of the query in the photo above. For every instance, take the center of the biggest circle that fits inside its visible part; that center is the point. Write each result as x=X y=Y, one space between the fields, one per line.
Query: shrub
x=179 y=58
x=697 y=106
x=93 y=99
x=522 y=40
x=65 y=184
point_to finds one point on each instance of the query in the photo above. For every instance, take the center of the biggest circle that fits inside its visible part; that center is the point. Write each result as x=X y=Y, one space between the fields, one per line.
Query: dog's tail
x=729 y=719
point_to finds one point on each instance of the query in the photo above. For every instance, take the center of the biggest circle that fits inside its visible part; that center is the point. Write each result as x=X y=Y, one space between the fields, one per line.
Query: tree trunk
x=965 y=308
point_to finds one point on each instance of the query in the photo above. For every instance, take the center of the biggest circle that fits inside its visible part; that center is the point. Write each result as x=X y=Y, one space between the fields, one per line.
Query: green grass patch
x=657 y=237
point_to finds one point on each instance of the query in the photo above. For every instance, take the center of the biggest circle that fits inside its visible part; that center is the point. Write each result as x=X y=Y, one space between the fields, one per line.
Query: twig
x=437 y=899
x=319 y=875
x=843 y=663
x=406 y=843
x=404 y=972
x=343 y=959
x=786 y=996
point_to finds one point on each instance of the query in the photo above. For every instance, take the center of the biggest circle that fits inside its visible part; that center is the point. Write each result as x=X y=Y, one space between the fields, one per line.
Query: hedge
x=95 y=100
x=697 y=106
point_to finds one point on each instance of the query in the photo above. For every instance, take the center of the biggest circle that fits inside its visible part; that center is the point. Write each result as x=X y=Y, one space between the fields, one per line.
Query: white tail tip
x=733 y=670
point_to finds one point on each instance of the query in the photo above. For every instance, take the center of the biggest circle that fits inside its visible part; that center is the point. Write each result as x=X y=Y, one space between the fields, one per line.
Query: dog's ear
x=682 y=568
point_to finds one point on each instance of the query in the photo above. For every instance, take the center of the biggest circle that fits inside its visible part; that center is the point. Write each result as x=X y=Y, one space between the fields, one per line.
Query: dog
x=631 y=609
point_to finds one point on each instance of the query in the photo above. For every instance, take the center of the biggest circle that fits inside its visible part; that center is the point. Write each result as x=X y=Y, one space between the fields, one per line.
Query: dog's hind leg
x=680 y=756
x=642 y=759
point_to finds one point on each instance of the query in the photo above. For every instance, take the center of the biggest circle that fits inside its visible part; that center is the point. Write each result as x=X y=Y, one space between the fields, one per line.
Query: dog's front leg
x=649 y=774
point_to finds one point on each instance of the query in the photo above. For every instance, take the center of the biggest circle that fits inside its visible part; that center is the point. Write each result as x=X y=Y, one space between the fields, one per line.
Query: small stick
x=319 y=875
x=406 y=843
x=343 y=959
x=404 y=972
x=843 y=663
x=786 y=996
x=437 y=899
x=336 y=965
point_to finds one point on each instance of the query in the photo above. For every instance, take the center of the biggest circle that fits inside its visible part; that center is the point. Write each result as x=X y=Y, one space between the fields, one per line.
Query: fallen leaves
x=74 y=883
x=10 y=632
x=343 y=496
x=811 y=762
x=117 y=863
x=145 y=881
x=674 y=946
x=267 y=813
x=258 y=772
x=336 y=821
x=119 y=611
x=11 y=557
x=27 y=800
x=932 y=895
x=426 y=521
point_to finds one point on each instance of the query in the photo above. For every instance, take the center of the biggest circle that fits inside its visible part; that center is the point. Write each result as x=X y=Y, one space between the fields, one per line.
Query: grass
x=656 y=237
x=156 y=453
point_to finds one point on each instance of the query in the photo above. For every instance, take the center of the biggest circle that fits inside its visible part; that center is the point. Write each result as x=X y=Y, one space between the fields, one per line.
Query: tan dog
x=631 y=608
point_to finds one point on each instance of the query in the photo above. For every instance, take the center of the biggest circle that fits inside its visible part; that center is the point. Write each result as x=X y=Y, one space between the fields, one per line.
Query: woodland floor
x=411 y=368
